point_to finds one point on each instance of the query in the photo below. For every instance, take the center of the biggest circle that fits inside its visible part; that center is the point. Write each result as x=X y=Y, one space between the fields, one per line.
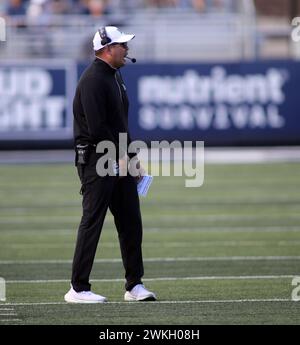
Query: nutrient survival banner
x=237 y=103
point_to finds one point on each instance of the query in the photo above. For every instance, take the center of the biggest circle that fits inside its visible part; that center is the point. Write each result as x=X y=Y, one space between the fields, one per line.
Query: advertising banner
x=253 y=103
x=222 y=104
x=36 y=100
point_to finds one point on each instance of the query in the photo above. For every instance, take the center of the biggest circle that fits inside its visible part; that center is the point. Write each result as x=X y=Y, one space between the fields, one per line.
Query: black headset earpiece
x=104 y=38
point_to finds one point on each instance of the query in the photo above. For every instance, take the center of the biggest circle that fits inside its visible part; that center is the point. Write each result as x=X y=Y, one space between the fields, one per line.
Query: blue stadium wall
x=254 y=103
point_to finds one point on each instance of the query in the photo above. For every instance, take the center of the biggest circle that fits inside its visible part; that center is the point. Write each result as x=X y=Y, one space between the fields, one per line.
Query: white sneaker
x=83 y=297
x=139 y=293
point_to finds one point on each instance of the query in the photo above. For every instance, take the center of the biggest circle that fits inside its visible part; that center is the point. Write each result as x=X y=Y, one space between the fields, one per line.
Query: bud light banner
x=36 y=101
x=223 y=104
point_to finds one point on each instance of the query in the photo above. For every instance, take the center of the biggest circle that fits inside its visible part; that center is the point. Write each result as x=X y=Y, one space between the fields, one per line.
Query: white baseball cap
x=113 y=34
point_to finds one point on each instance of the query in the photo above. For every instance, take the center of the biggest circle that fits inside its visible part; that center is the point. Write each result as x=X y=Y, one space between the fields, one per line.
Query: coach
x=100 y=114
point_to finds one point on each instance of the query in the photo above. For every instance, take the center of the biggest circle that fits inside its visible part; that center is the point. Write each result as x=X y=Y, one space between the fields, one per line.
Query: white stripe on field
x=46 y=281
x=33 y=219
x=224 y=155
x=282 y=228
x=168 y=302
x=188 y=259
x=209 y=229
x=182 y=244
x=9 y=320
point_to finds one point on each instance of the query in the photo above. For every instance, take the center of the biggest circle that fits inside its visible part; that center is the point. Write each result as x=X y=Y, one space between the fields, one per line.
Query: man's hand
x=136 y=169
x=123 y=166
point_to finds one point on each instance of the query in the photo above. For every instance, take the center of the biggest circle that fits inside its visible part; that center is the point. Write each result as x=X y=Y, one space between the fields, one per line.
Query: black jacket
x=100 y=106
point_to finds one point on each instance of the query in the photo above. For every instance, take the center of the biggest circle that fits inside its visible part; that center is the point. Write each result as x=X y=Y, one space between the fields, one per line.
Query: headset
x=104 y=38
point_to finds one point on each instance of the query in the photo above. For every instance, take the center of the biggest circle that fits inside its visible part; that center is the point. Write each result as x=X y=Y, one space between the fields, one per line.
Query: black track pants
x=120 y=195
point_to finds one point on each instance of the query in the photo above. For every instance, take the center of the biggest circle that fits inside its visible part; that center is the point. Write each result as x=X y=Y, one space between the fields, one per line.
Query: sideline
x=165 y=302
x=224 y=155
x=177 y=259
x=47 y=281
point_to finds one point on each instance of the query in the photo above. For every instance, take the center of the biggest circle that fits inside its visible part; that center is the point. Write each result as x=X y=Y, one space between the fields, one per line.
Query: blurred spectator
x=160 y=3
x=199 y=5
x=80 y=7
x=15 y=8
x=45 y=8
x=36 y=8
x=126 y=5
x=219 y=5
x=57 y=7
x=97 y=8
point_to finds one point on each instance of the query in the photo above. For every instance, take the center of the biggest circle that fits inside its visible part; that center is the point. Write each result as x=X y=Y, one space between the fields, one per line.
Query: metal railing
x=161 y=35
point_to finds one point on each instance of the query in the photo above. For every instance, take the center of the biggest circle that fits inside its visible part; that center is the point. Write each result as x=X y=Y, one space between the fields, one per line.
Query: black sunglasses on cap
x=124 y=45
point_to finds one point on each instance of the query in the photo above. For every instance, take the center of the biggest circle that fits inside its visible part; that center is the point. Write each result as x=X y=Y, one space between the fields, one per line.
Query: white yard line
x=168 y=259
x=182 y=244
x=209 y=229
x=34 y=219
x=220 y=155
x=10 y=320
x=261 y=228
x=46 y=281
x=6 y=312
x=167 y=302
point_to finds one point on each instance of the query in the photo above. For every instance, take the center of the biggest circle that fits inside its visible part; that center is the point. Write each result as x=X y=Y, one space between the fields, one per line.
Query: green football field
x=224 y=253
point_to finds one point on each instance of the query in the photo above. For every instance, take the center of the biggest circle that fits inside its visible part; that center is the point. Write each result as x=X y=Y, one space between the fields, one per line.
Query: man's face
x=118 y=52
